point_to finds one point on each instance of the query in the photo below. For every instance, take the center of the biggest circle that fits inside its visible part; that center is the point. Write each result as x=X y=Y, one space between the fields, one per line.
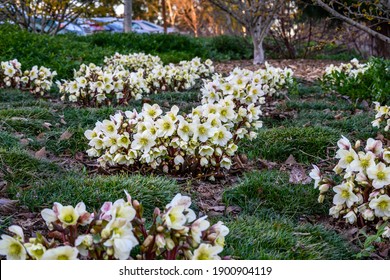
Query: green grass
x=8 y=141
x=313 y=128
x=261 y=192
x=151 y=191
x=254 y=237
x=306 y=144
x=20 y=168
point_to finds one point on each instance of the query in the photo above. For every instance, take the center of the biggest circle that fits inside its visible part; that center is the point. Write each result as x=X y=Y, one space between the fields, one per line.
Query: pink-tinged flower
x=344 y=143
x=374 y=146
x=51 y=215
x=315 y=174
x=106 y=211
x=198 y=227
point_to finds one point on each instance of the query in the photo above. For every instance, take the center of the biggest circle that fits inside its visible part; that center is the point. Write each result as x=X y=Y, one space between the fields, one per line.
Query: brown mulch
x=307 y=69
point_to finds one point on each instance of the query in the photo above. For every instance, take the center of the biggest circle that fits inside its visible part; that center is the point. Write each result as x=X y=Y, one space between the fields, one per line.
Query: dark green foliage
x=373 y=84
x=64 y=53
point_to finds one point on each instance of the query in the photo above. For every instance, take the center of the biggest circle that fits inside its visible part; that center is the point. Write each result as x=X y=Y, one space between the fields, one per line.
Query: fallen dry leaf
x=217 y=208
x=298 y=175
x=267 y=164
x=7 y=206
x=233 y=210
x=47 y=125
x=66 y=135
x=41 y=136
x=41 y=153
x=18 y=119
x=3 y=186
x=24 y=142
x=290 y=160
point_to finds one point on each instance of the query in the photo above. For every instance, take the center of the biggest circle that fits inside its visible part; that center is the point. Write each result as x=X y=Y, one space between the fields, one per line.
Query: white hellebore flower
x=109 y=128
x=364 y=161
x=381 y=205
x=198 y=227
x=122 y=239
x=207 y=252
x=346 y=158
x=222 y=136
x=36 y=251
x=166 y=127
x=344 y=194
x=83 y=243
x=61 y=253
x=143 y=141
x=226 y=163
x=12 y=247
x=152 y=111
x=350 y=217
x=380 y=174
x=175 y=218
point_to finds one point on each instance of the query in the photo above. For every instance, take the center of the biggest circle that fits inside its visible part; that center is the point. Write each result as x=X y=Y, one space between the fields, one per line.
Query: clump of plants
x=38 y=81
x=117 y=230
x=360 y=81
x=361 y=185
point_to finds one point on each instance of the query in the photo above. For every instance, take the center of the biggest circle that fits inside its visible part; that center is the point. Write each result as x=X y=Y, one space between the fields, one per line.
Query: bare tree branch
x=352 y=22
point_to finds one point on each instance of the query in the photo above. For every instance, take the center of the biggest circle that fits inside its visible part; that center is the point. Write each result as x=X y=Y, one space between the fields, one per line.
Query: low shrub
x=367 y=81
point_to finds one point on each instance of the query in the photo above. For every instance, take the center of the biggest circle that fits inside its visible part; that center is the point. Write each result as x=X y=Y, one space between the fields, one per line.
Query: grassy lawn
x=277 y=219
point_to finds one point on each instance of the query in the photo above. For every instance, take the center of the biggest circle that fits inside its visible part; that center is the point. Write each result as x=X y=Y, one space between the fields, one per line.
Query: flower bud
x=170 y=244
x=106 y=233
x=357 y=144
x=160 y=241
x=368 y=215
x=324 y=188
x=160 y=229
x=148 y=241
x=110 y=251
x=156 y=212
x=136 y=204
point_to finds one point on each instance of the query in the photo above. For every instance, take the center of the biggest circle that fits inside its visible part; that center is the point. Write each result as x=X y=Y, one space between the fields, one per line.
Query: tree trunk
x=258 y=55
x=383 y=48
x=128 y=14
x=164 y=16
